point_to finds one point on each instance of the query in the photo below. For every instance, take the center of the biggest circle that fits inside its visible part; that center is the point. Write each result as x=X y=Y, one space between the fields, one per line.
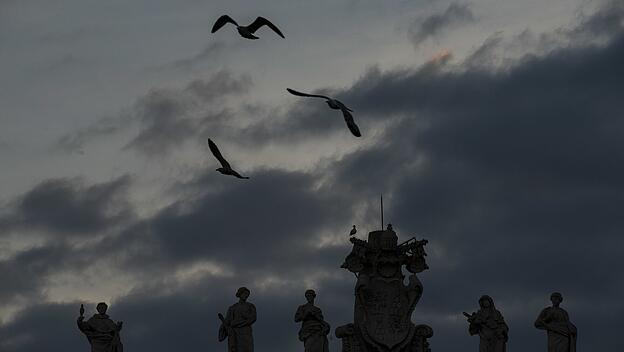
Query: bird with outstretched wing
x=225 y=168
x=336 y=105
x=246 y=31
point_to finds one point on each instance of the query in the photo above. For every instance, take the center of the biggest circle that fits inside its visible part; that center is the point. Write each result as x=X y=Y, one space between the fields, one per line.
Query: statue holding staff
x=101 y=331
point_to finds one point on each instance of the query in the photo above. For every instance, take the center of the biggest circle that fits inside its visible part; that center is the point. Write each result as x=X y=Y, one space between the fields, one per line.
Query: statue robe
x=561 y=332
x=314 y=329
x=102 y=333
x=237 y=327
x=492 y=330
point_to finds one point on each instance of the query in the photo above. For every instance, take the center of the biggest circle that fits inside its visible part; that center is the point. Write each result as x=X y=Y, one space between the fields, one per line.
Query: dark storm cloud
x=168 y=118
x=455 y=15
x=519 y=181
x=24 y=275
x=66 y=207
x=42 y=326
x=244 y=224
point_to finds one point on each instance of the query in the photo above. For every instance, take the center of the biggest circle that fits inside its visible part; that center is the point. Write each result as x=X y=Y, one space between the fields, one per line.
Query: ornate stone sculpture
x=101 y=331
x=236 y=325
x=555 y=320
x=383 y=303
x=488 y=322
x=314 y=328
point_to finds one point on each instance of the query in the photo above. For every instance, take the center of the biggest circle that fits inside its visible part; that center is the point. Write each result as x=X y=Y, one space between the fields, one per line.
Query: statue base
x=352 y=341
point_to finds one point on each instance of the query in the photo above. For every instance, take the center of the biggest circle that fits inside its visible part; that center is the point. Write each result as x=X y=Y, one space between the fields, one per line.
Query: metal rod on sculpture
x=382 y=223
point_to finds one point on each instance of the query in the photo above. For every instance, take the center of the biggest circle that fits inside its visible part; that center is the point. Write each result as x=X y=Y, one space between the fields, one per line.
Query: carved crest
x=387 y=310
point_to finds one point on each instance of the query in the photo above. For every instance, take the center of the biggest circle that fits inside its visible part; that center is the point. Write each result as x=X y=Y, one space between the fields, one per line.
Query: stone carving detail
x=383 y=302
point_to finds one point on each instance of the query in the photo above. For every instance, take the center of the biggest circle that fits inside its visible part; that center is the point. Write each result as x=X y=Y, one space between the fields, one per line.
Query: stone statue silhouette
x=236 y=325
x=555 y=320
x=489 y=324
x=314 y=328
x=101 y=331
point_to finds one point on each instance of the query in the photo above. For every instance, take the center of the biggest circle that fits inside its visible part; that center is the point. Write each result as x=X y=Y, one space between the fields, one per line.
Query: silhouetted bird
x=353 y=231
x=225 y=168
x=246 y=31
x=336 y=105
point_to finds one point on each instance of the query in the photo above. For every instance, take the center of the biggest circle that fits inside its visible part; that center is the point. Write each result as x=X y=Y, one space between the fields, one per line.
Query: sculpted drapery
x=236 y=325
x=560 y=331
x=314 y=328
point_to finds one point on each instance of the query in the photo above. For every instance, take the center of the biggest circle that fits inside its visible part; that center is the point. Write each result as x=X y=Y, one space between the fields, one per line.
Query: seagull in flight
x=336 y=105
x=353 y=231
x=225 y=168
x=246 y=31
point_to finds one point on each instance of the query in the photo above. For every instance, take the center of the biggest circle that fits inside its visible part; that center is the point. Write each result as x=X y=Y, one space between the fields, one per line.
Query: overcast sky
x=493 y=128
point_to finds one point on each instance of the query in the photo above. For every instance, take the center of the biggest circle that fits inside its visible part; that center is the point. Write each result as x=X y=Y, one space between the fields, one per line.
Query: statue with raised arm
x=489 y=324
x=555 y=320
x=101 y=331
x=236 y=325
x=314 y=328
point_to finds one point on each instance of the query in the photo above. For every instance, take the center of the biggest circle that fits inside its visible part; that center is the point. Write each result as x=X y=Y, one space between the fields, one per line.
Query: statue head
x=310 y=295
x=243 y=293
x=389 y=228
x=486 y=302
x=101 y=307
x=556 y=298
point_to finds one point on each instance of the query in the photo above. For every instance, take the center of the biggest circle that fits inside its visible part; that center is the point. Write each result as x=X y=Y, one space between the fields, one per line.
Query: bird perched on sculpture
x=335 y=105
x=353 y=231
x=246 y=31
x=225 y=168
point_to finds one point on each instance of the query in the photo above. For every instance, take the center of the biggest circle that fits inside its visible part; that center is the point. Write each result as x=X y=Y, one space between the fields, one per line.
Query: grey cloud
x=66 y=207
x=210 y=52
x=34 y=266
x=45 y=326
x=76 y=141
x=455 y=15
x=245 y=225
x=168 y=118
x=4 y=145
x=604 y=22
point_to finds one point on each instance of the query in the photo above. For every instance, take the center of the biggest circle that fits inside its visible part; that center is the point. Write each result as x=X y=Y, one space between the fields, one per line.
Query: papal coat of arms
x=383 y=302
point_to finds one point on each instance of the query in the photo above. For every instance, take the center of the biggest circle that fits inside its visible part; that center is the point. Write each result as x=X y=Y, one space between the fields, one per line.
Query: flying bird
x=225 y=168
x=246 y=31
x=353 y=231
x=336 y=105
